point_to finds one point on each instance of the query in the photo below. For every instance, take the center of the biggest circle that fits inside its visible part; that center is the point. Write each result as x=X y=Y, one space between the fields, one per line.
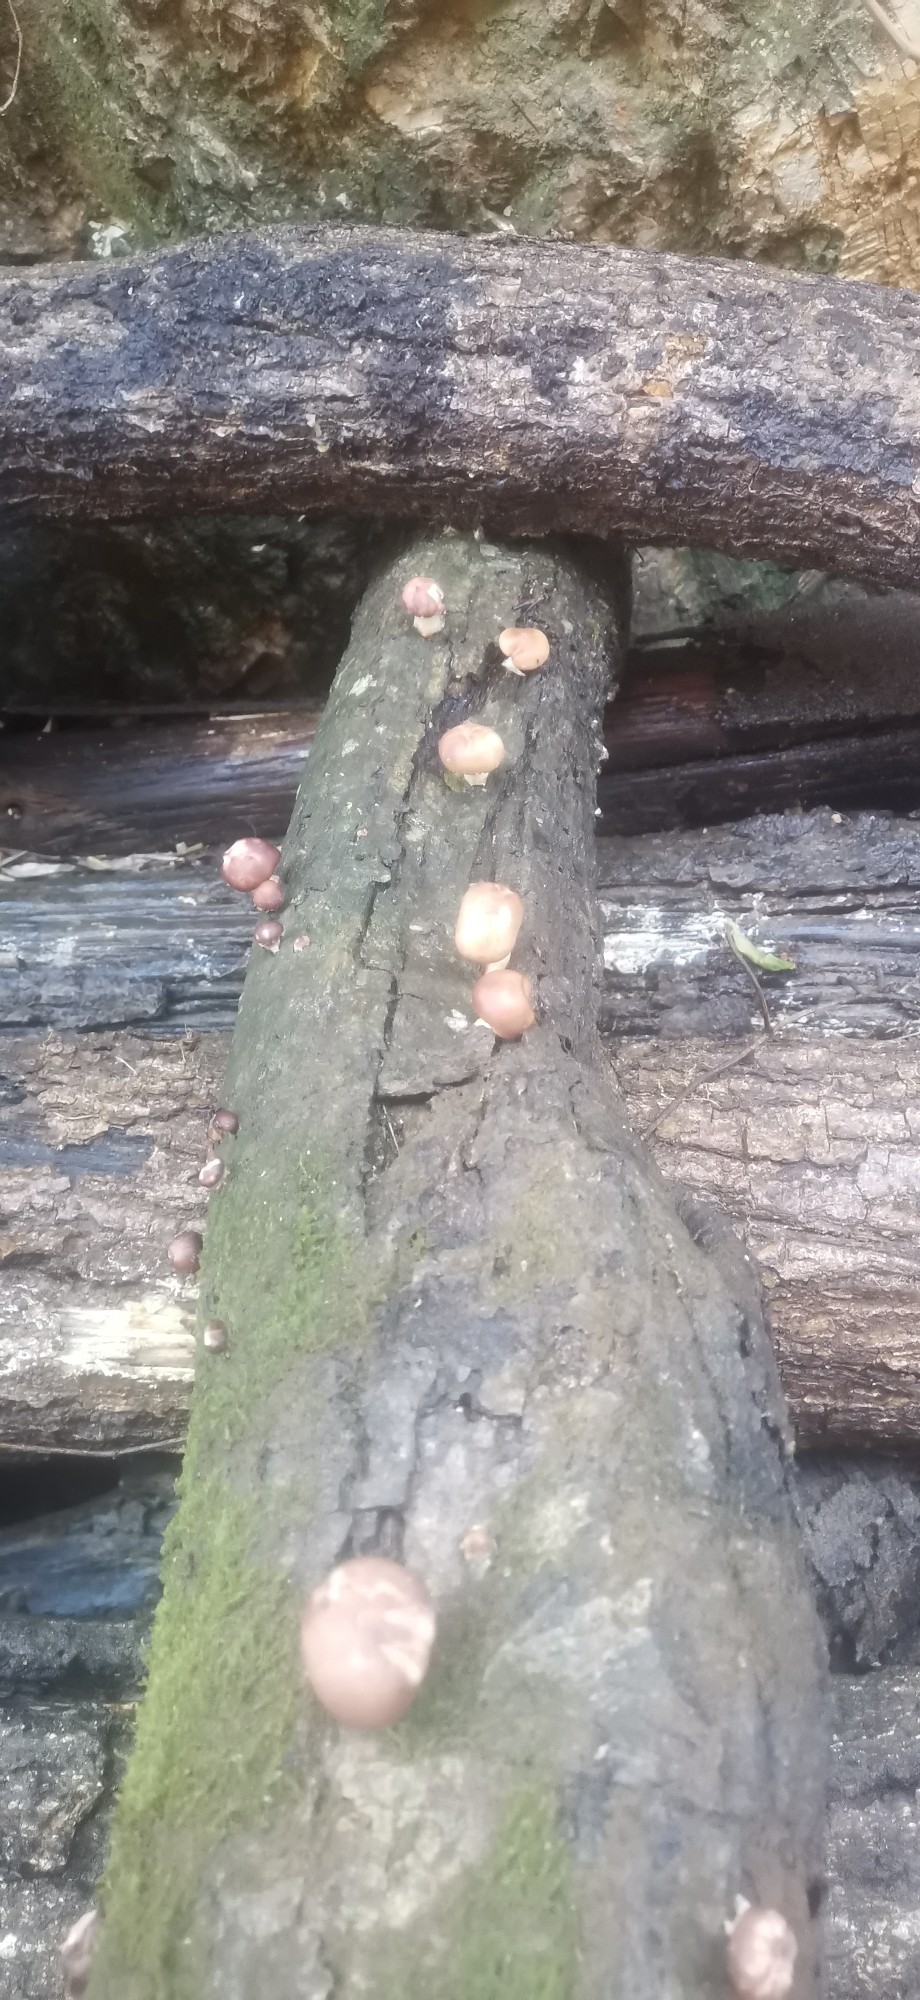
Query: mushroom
x=365 y=1639
x=471 y=751
x=525 y=648
x=425 y=600
x=488 y=923
x=222 y=1123
x=502 y=1000
x=269 y=933
x=269 y=895
x=184 y=1252
x=762 y=1951
x=248 y=863
x=215 y=1337
x=212 y=1173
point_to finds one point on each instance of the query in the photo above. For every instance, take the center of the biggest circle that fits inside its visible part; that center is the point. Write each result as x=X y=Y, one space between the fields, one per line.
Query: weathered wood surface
x=539 y=386
x=838 y=893
x=167 y=948
x=812 y=1147
x=457 y=1295
x=810 y=1143
x=873 y=1913
x=100 y=1148
x=147 y=784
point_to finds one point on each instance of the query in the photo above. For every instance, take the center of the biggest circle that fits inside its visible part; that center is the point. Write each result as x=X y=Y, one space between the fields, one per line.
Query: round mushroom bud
x=423 y=598
x=525 y=648
x=762 y=1951
x=249 y=862
x=184 y=1252
x=503 y=1001
x=471 y=752
x=215 y=1337
x=222 y=1123
x=488 y=923
x=269 y=895
x=269 y=933
x=212 y=1173
x=77 y=1953
x=365 y=1640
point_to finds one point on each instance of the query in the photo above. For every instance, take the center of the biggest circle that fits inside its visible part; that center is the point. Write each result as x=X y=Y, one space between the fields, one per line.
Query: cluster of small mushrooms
x=368 y=1630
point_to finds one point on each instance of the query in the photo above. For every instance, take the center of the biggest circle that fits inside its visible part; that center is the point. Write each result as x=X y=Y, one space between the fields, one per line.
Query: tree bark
x=539 y=386
x=459 y=1298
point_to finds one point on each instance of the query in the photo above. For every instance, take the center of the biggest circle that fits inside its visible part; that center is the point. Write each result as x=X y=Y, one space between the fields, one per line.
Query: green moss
x=211 y=1740
x=224 y=1688
x=511 y=1932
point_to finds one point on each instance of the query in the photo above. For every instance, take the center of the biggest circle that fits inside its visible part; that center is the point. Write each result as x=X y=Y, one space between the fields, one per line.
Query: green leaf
x=767 y=961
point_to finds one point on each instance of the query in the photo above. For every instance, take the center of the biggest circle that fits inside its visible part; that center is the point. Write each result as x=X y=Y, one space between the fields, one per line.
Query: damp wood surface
x=459 y=1296
x=539 y=386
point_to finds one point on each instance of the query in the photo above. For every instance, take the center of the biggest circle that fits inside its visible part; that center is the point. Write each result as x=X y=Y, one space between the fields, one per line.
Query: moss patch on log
x=211 y=1741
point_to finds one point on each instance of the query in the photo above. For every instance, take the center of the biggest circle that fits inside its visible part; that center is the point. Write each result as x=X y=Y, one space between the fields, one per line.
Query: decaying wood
x=839 y=894
x=146 y=785
x=459 y=1298
x=167 y=947
x=541 y=386
x=873 y=1911
x=100 y=1148
x=812 y=1147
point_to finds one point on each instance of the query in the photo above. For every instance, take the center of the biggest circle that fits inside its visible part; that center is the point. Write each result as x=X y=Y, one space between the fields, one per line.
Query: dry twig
x=900 y=39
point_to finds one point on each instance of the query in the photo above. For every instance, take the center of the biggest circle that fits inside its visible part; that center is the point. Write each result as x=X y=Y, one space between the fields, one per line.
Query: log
x=99 y=1155
x=458 y=1297
x=812 y=1148
x=540 y=386
x=874 y=1838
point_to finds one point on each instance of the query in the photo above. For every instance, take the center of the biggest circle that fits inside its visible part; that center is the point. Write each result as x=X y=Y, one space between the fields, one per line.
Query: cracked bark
x=539 y=386
x=459 y=1297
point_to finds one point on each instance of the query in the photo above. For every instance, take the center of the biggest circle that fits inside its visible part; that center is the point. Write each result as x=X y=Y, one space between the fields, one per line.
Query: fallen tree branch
x=459 y=1299
x=538 y=386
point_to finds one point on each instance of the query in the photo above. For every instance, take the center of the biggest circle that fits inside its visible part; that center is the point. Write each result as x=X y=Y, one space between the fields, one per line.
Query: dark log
x=458 y=1296
x=838 y=894
x=540 y=386
x=874 y=1839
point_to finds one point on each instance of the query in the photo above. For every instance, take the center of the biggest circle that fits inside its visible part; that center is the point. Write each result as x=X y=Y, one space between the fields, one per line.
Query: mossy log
x=536 y=386
x=467 y=1328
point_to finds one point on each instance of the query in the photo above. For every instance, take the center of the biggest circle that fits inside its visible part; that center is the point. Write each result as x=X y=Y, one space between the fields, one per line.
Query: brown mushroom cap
x=249 y=862
x=184 y=1252
x=423 y=598
x=470 y=750
x=215 y=1336
x=365 y=1639
x=212 y=1173
x=525 y=648
x=503 y=1001
x=269 y=933
x=269 y=895
x=488 y=922
x=222 y=1123
x=762 y=1951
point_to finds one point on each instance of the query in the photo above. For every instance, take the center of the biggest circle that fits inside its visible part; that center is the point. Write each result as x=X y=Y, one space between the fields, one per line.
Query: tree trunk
x=541 y=386
x=458 y=1298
